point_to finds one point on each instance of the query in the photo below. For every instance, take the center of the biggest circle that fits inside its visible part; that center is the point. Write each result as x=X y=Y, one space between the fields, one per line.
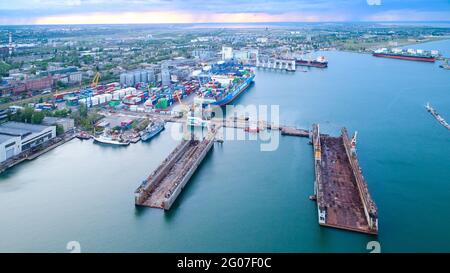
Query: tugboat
x=152 y=130
x=108 y=139
x=445 y=65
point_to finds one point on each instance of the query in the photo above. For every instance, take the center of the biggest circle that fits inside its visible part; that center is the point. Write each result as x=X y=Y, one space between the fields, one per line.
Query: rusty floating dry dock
x=343 y=199
x=163 y=186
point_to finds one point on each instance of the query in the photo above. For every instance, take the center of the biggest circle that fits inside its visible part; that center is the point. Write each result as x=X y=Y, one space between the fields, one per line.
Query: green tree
x=60 y=84
x=4 y=68
x=28 y=114
x=59 y=129
x=18 y=116
x=83 y=110
x=37 y=118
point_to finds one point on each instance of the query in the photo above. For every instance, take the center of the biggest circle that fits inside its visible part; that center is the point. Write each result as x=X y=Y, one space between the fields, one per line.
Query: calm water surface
x=242 y=199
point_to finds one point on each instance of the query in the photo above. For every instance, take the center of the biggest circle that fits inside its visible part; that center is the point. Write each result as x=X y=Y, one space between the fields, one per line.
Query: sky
x=14 y=12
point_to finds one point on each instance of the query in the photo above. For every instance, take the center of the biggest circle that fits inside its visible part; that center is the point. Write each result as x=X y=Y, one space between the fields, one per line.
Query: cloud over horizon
x=200 y=11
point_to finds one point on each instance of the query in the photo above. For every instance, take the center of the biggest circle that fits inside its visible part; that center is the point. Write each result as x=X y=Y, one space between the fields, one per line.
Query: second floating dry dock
x=343 y=199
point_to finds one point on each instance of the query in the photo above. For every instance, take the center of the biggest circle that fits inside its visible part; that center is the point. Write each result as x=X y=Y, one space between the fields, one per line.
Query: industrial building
x=66 y=123
x=17 y=137
x=203 y=54
x=131 y=78
x=227 y=53
x=15 y=88
x=165 y=76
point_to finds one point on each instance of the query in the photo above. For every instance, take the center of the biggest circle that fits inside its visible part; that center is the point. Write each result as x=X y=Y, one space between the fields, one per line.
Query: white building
x=137 y=76
x=17 y=137
x=165 y=76
x=262 y=40
x=227 y=53
x=9 y=146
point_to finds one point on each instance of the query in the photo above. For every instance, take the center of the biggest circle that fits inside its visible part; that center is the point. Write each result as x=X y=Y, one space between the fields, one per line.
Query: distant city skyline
x=218 y=11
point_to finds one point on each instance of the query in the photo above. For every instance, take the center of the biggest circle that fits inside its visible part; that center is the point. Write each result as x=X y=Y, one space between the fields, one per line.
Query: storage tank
x=108 y=97
x=101 y=99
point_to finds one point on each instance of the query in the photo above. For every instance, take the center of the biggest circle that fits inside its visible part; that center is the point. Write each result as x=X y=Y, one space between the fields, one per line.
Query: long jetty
x=164 y=185
x=343 y=199
x=438 y=117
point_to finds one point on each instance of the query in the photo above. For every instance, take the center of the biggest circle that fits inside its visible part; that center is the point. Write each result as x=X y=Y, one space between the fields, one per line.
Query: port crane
x=353 y=143
x=95 y=80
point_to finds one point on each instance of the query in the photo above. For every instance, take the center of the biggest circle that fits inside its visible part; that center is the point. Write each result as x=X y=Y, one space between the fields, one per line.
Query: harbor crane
x=95 y=80
x=353 y=143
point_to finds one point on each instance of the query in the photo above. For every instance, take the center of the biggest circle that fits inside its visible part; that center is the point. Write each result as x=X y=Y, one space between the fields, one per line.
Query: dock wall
x=370 y=208
x=318 y=184
x=168 y=202
x=155 y=178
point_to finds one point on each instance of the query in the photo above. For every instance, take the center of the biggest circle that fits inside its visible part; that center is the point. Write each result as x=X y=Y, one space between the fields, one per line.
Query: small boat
x=445 y=65
x=83 y=135
x=108 y=139
x=251 y=130
x=152 y=130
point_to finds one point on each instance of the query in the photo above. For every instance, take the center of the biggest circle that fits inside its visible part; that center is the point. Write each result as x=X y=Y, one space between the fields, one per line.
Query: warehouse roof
x=5 y=138
x=20 y=129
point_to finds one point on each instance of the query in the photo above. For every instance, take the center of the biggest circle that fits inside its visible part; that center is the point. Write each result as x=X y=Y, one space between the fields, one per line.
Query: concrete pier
x=163 y=186
x=343 y=199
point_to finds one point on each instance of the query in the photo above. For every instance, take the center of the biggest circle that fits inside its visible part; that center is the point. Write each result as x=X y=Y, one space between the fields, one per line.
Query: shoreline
x=387 y=46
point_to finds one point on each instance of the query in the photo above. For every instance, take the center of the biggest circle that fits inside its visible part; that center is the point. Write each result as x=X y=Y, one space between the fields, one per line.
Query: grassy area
x=362 y=46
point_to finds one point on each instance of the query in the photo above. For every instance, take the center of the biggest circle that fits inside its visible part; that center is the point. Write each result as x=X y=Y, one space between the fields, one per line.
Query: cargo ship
x=225 y=87
x=320 y=62
x=407 y=54
x=152 y=130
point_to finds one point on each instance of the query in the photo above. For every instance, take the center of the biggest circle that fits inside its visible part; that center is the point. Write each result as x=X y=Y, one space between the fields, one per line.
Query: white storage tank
x=101 y=99
x=116 y=95
x=95 y=101
x=108 y=97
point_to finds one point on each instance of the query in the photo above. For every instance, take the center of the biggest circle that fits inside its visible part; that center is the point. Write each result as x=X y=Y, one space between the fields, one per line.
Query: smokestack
x=10 y=46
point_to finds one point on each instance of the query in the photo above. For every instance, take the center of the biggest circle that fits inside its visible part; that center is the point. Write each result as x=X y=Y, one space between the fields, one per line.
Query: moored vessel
x=152 y=130
x=407 y=54
x=226 y=84
x=110 y=140
x=320 y=62
x=83 y=135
